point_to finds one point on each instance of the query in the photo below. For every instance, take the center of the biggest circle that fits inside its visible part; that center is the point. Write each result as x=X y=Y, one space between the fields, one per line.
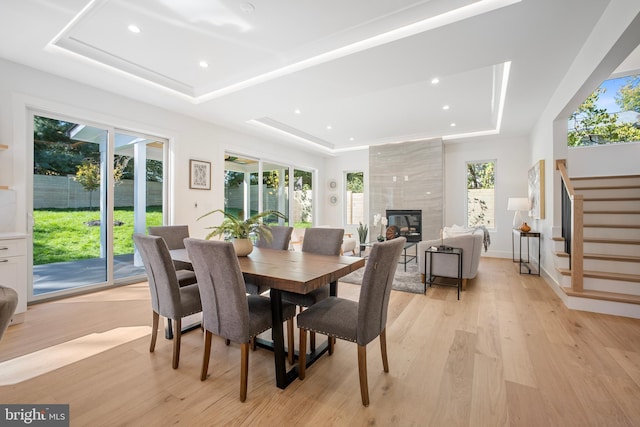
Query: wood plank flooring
x=507 y=354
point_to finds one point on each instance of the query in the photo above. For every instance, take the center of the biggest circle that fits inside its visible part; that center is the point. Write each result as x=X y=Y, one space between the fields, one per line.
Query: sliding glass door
x=253 y=185
x=93 y=187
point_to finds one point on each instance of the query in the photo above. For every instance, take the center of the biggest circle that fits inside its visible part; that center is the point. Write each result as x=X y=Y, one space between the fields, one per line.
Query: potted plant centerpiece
x=239 y=231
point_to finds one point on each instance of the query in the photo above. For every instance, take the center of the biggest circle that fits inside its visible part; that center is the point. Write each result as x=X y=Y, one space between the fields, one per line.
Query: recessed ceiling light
x=297 y=111
x=203 y=64
x=452 y=125
x=352 y=139
x=445 y=107
x=435 y=81
x=329 y=127
x=134 y=29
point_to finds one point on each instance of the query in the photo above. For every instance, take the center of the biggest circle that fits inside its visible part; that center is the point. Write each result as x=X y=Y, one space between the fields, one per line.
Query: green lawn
x=62 y=235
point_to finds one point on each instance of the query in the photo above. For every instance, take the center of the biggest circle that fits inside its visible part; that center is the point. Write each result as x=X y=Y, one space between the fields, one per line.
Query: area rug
x=408 y=281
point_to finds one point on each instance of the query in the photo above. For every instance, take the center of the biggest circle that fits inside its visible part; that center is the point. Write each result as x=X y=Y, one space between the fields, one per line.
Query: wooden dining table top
x=293 y=271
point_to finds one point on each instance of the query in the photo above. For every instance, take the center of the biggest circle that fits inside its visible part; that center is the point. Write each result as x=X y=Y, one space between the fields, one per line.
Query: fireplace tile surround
x=409 y=176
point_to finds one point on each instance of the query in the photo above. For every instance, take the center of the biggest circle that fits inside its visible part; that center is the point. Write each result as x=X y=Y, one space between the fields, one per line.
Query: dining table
x=293 y=271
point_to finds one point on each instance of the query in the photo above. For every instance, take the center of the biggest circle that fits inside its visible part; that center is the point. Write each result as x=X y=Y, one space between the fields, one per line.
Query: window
x=609 y=115
x=246 y=179
x=354 y=206
x=481 y=193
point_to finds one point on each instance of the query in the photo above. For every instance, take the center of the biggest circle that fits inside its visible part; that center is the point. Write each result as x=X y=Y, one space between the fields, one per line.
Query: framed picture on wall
x=536 y=190
x=199 y=175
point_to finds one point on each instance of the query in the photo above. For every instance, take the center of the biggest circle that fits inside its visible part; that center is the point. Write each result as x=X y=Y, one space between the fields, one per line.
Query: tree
x=355 y=182
x=88 y=175
x=628 y=97
x=55 y=153
x=590 y=125
x=480 y=175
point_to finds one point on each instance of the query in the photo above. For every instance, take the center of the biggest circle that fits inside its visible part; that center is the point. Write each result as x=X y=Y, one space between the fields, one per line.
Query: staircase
x=611 y=244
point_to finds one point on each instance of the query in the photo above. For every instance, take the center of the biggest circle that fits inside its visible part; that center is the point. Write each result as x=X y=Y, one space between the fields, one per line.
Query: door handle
x=4 y=249
x=4 y=260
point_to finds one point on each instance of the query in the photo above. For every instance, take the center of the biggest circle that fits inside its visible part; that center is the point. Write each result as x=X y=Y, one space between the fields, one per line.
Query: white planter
x=243 y=247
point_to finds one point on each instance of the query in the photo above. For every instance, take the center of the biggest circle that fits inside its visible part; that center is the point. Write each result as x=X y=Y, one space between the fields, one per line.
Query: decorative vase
x=243 y=247
x=381 y=238
x=525 y=227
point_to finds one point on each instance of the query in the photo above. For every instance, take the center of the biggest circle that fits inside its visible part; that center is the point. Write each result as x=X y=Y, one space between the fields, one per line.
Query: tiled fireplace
x=409 y=177
x=407 y=223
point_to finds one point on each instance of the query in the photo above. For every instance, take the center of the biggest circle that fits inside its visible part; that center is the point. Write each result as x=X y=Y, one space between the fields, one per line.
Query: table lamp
x=518 y=204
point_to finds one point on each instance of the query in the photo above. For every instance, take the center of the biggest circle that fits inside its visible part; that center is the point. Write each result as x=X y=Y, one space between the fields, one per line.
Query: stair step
x=608 y=192
x=613 y=241
x=611 y=199
x=606 y=187
x=603 y=240
x=618 y=212
x=601 y=232
x=623 y=258
x=635 y=278
x=604 y=296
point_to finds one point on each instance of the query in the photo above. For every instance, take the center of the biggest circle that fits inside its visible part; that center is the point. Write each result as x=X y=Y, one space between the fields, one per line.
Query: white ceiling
x=364 y=68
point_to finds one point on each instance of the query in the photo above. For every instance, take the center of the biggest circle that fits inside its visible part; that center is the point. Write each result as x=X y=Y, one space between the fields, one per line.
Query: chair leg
x=383 y=349
x=177 y=336
x=302 y=358
x=290 y=343
x=312 y=341
x=206 y=355
x=244 y=368
x=154 y=331
x=362 y=370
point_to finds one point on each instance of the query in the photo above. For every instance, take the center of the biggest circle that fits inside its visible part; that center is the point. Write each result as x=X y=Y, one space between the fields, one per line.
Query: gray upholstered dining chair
x=280 y=238
x=168 y=298
x=227 y=310
x=8 y=304
x=362 y=321
x=323 y=241
x=174 y=236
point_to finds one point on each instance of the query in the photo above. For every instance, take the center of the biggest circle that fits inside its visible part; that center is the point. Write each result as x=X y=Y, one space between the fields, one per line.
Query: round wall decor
x=333 y=184
x=333 y=199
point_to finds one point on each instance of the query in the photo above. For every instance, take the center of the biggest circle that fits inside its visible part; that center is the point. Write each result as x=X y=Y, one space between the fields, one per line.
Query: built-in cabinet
x=13 y=269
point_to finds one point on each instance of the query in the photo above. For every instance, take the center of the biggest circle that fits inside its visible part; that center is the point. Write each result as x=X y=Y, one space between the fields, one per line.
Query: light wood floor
x=507 y=353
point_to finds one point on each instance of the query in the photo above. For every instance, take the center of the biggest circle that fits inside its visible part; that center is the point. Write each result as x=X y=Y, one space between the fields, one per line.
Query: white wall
x=605 y=160
x=512 y=165
x=22 y=87
x=335 y=168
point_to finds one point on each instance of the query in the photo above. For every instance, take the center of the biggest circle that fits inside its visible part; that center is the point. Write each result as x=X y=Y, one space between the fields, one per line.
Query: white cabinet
x=13 y=269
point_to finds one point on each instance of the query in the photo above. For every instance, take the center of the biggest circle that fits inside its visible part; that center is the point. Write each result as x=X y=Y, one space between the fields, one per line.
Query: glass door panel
x=69 y=205
x=240 y=188
x=303 y=198
x=275 y=191
x=138 y=171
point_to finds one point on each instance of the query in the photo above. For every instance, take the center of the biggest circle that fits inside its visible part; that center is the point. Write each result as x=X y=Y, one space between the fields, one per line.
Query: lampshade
x=518 y=204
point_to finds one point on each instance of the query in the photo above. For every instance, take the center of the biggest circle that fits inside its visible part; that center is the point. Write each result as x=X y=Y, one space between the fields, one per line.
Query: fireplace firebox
x=406 y=223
